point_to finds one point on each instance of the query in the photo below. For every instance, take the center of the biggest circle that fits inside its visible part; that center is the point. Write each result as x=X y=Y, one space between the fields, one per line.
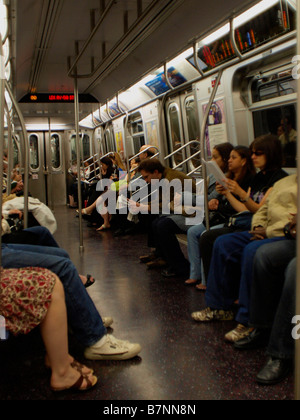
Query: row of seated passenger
x=222 y=291
x=228 y=250
x=40 y=286
x=250 y=240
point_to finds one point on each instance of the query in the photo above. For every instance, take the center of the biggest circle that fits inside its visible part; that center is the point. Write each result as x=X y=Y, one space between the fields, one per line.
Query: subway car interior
x=87 y=81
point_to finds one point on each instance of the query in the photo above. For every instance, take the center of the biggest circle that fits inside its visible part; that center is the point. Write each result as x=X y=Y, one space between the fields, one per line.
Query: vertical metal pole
x=203 y=145
x=2 y=91
x=9 y=150
x=50 y=166
x=297 y=344
x=126 y=119
x=26 y=157
x=76 y=102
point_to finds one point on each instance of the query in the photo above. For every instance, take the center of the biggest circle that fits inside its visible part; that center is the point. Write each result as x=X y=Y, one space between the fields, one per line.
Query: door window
x=136 y=129
x=55 y=151
x=192 y=127
x=34 y=151
x=175 y=132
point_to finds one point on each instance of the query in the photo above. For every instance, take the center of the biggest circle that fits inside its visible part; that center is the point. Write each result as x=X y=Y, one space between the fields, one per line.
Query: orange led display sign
x=58 y=98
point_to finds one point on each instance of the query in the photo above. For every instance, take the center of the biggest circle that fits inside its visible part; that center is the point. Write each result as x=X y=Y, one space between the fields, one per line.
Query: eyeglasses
x=257 y=153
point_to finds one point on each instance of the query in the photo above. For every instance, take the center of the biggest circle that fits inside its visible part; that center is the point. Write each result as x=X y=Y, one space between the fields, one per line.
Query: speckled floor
x=180 y=360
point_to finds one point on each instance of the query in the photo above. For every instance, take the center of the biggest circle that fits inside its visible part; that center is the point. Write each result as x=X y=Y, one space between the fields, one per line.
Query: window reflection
x=175 y=133
x=55 y=151
x=34 y=151
x=86 y=148
x=280 y=121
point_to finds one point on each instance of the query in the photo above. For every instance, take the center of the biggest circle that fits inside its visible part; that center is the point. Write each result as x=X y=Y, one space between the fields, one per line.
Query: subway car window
x=273 y=86
x=136 y=128
x=16 y=152
x=280 y=121
x=55 y=151
x=34 y=151
x=86 y=148
x=191 y=118
x=174 y=131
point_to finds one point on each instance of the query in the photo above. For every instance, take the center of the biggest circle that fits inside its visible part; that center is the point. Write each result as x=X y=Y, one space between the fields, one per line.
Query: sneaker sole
x=130 y=354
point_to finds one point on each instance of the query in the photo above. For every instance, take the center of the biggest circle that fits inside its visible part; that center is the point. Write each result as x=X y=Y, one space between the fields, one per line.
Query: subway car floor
x=180 y=359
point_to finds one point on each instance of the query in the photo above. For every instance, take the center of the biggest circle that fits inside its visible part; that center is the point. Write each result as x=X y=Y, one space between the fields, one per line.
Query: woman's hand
x=221 y=190
x=213 y=205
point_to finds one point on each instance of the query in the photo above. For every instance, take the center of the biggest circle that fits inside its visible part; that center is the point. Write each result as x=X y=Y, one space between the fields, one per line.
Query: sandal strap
x=79 y=367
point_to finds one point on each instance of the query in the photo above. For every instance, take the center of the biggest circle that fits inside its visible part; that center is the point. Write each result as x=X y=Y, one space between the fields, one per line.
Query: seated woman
x=83 y=317
x=231 y=271
x=107 y=172
x=241 y=170
x=267 y=158
x=41 y=302
x=118 y=165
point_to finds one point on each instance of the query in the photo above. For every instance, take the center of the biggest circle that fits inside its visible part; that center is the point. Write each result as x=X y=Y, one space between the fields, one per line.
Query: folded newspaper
x=212 y=168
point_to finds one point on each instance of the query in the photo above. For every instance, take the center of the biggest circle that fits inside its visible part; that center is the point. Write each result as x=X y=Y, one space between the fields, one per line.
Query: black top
x=263 y=181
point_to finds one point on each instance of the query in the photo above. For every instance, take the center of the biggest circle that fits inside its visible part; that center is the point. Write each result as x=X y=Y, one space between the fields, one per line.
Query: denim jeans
x=273 y=295
x=231 y=272
x=193 y=235
x=83 y=317
x=44 y=236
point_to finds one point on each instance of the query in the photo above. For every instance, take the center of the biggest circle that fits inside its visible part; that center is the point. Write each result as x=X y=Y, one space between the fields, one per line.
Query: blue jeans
x=193 y=235
x=45 y=237
x=231 y=272
x=273 y=295
x=83 y=317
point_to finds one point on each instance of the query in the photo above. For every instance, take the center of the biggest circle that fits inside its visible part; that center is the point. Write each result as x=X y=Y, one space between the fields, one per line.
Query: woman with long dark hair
x=240 y=170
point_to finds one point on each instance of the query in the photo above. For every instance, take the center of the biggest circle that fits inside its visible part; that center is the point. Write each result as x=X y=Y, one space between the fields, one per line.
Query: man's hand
x=259 y=233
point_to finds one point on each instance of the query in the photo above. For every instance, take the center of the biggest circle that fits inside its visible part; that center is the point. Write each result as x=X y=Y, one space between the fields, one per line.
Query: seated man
x=165 y=183
x=83 y=317
x=231 y=270
x=272 y=309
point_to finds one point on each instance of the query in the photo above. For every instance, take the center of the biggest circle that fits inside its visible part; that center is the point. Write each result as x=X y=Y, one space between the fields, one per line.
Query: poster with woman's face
x=216 y=129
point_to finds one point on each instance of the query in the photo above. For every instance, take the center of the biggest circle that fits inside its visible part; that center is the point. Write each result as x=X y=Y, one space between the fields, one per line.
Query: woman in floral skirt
x=35 y=296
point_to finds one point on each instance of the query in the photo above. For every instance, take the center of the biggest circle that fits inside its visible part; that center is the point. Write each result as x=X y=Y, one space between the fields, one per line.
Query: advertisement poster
x=216 y=129
x=119 y=142
x=152 y=134
x=159 y=85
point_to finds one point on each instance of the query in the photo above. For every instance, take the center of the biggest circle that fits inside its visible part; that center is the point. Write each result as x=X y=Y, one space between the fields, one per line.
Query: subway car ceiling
x=131 y=38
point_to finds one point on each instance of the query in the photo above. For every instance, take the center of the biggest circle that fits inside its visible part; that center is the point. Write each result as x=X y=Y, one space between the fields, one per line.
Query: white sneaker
x=107 y=321
x=112 y=349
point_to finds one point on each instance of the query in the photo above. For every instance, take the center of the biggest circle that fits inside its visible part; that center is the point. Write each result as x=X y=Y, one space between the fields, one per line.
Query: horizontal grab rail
x=182 y=148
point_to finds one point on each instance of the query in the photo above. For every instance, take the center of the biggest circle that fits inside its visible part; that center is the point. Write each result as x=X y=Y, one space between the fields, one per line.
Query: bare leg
x=90 y=209
x=106 y=217
x=54 y=332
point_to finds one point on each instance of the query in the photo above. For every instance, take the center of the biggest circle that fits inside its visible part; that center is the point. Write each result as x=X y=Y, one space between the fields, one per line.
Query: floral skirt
x=25 y=296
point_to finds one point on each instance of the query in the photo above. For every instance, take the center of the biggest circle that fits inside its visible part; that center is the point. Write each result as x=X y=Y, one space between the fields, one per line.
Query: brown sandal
x=79 y=367
x=201 y=287
x=77 y=386
x=75 y=365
